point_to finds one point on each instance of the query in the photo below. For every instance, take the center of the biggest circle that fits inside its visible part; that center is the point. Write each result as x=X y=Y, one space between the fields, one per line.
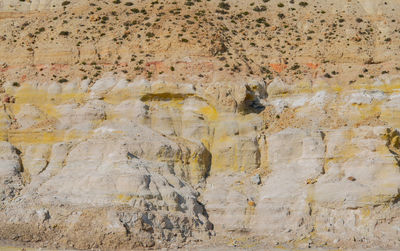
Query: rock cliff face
x=113 y=144
x=149 y=163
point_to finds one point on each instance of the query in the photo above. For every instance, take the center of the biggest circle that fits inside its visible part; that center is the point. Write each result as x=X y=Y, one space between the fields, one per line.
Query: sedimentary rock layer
x=153 y=163
x=130 y=124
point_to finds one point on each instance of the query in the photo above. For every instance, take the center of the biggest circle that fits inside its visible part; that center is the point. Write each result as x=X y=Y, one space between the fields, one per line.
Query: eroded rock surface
x=131 y=124
x=157 y=164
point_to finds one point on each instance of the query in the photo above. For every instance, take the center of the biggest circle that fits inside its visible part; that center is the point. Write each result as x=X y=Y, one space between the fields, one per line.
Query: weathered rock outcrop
x=165 y=160
x=330 y=168
x=129 y=124
x=10 y=168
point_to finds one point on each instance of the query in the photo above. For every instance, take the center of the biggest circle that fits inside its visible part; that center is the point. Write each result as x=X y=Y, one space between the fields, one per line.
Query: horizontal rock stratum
x=153 y=124
x=116 y=164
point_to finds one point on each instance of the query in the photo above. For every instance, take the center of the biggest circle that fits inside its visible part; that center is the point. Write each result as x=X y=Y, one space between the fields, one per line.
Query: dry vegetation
x=201 y=38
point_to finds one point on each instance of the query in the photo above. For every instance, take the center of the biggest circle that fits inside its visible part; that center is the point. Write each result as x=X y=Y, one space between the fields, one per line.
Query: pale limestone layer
x=303 y=164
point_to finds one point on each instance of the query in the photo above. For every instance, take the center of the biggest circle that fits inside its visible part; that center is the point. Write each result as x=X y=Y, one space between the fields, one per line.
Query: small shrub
x=303 y=4
x=189 y=3
x=224 y=5
x=295 y=67
x=64 y=33
x=149 y=34
x=260 y=20
x=260 y=8
x=62 y=80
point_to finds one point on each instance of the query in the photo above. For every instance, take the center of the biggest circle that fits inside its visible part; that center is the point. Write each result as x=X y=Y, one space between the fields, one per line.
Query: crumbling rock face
x=135 y=204
x=10 y=168
x=130 y=124
x=118 y=164
x=329 y=167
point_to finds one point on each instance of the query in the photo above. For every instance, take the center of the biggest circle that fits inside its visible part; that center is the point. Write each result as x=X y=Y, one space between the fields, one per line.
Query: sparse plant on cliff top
x=223 y=5
x=149 y=34
x=303 y=4
x=62 y=80
x=189 y=3
x=260 y=8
